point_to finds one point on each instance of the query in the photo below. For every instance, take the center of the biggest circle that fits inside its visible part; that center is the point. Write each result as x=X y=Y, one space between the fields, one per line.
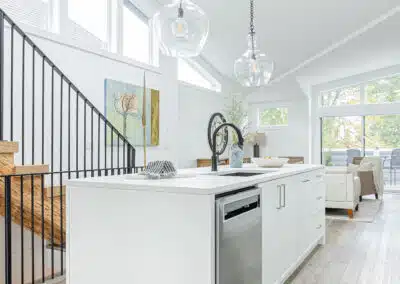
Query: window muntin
x=273 y=117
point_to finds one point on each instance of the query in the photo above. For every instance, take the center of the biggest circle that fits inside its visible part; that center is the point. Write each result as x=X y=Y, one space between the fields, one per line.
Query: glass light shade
x=181 y=28
x=253 y=69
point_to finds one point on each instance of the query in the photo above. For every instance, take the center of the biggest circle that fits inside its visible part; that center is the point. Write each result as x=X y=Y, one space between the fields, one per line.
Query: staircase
x=49 y=133
x=29 y=197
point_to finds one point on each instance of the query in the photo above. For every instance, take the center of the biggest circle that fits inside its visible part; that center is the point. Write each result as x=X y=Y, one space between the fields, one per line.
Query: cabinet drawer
x=318 y=226
x=319 y=203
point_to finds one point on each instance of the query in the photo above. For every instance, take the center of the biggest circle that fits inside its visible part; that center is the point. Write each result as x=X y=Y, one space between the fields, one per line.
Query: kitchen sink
x=240 y=174
x=236 y=173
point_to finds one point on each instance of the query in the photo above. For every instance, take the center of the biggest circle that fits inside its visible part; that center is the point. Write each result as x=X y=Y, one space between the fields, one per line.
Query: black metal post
x=129 y=161
x=8 y=223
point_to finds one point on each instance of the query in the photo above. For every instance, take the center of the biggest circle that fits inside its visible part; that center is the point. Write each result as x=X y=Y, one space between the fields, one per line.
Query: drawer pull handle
x=305 y=180
x=319 y=226
x=319 y=176
x=319 y=197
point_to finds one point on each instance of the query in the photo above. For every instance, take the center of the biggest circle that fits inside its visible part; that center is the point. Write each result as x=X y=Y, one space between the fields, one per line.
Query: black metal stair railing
x=49 y=116
x=54 y=124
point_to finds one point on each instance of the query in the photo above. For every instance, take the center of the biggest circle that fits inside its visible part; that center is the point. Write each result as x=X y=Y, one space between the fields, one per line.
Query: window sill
x=62 y=40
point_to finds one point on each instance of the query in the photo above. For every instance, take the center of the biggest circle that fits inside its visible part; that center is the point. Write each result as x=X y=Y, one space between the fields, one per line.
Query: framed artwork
x=124 y=109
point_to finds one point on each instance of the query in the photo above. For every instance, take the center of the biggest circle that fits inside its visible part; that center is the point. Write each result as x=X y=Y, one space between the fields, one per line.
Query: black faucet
x=214 y=160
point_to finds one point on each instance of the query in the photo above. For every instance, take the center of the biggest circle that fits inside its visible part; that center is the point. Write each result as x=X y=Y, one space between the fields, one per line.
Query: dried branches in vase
x=236 y=112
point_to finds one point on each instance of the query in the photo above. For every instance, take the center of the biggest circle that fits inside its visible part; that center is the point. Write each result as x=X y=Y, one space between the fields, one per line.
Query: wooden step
x=31 y=169
x=8 y=147
x=51 y=207
x=57 y=191
x=7 y=150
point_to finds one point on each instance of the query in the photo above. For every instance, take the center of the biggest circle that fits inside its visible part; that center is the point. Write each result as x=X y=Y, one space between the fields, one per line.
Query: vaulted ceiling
x=290 y=32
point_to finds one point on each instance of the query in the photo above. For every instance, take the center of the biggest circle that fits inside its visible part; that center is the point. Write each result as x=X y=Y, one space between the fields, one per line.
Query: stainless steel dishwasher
x=238 y=238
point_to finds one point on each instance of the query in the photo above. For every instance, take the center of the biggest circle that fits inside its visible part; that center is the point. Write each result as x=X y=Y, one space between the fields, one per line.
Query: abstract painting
x=124 y=109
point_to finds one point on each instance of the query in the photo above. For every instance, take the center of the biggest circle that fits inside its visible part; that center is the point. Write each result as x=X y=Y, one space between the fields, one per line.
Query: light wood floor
x=358 y=252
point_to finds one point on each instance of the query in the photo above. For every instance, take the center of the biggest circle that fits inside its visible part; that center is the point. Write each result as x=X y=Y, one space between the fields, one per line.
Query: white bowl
x=270 y=162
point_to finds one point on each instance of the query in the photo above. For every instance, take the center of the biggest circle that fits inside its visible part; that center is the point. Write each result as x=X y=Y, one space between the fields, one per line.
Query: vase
x=236 y=157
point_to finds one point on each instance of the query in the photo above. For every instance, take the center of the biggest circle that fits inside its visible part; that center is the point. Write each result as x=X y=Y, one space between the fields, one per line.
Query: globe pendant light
x=181 y=28
x=253 y=68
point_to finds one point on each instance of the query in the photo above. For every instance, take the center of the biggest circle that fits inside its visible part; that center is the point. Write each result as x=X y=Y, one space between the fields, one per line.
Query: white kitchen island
x=124 y=230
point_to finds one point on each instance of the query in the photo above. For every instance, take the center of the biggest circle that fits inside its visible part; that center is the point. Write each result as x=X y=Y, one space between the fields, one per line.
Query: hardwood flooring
x=356 y=252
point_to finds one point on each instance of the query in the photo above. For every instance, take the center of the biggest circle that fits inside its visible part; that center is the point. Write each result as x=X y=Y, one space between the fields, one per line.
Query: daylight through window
x=273 y=117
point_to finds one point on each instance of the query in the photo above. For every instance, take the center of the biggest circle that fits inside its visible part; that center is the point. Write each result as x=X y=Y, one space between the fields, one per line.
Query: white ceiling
x=288 y=31
x=376 y=49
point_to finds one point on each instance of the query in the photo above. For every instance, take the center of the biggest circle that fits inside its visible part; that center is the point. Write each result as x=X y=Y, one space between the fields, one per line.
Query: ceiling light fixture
x=181 y=28
x=253 y=68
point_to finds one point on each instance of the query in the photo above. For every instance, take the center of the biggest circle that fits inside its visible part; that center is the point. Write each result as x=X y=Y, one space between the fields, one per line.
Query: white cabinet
x=293 y=223
x=271 y=204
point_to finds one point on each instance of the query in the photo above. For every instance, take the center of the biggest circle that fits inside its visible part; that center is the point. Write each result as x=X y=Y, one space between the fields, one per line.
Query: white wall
x=291 y=140
x=87 y=70
x=196 y=105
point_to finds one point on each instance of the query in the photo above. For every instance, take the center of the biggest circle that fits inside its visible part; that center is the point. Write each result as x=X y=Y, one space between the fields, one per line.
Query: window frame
x=215 y=84
x=58 y=32
x=363 y=96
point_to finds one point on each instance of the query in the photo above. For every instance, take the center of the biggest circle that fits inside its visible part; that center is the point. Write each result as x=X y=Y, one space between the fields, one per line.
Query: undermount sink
x=239 y=174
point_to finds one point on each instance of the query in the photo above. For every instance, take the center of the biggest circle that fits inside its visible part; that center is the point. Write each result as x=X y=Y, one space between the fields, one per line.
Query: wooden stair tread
x=52 y=208
x=8 y=147
x=31 y=169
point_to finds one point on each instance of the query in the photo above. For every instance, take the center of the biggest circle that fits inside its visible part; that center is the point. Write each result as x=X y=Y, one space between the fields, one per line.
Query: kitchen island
x=127 y=229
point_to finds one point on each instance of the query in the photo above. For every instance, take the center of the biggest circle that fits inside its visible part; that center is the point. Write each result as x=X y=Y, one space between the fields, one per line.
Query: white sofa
x=342 y=189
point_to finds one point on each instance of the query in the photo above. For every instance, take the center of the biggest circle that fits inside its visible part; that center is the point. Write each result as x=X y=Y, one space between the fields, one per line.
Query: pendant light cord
x=180 y=10
x=252 y=31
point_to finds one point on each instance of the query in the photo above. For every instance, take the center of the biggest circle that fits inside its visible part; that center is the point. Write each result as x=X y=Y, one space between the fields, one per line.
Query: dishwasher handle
x=238 y=204
x=242 y=210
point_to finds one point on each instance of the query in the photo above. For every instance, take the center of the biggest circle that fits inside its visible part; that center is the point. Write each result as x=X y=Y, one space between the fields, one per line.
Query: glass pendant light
x=253 y=68
x=182 y=29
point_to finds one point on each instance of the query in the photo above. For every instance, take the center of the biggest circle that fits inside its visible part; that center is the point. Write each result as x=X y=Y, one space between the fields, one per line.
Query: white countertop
x=194 y=181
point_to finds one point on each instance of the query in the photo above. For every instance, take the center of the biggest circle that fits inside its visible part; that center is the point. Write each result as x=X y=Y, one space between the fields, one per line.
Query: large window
x=380 y=91
x=135 y=35
x=273 y=117
x=89 y=21
x=344 y=138
x=383 y=91
x=116 y=26
x=341 y=136
x=193 y=74
x=344 y=96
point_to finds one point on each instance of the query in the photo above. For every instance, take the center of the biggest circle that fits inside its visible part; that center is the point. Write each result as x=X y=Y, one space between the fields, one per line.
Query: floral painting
x=124 y=109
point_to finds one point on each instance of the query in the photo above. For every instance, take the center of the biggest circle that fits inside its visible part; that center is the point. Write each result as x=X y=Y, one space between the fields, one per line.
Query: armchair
x=367 y=179
x=342 y=189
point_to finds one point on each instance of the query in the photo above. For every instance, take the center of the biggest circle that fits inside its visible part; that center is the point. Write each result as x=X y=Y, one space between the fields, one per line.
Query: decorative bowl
x=270 y=162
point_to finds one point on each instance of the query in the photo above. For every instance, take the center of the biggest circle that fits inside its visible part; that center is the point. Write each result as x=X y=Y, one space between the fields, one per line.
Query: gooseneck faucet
x=214 y=160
